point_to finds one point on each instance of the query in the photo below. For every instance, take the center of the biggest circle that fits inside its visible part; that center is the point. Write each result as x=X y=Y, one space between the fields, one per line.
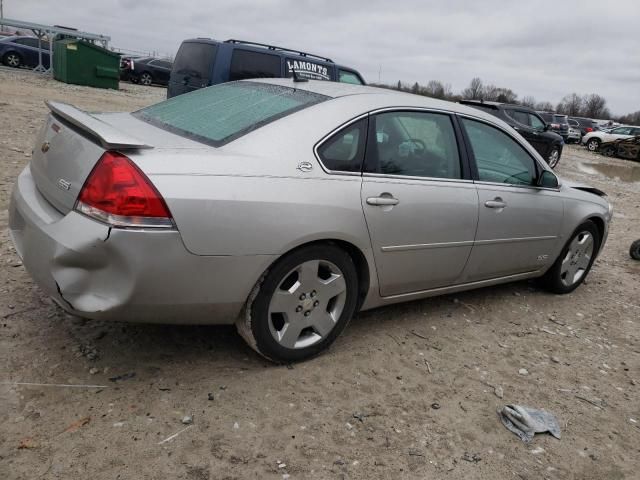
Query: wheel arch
x=363 y=265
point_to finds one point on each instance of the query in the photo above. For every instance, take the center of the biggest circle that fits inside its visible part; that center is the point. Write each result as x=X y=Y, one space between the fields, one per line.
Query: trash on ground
x=525 y=422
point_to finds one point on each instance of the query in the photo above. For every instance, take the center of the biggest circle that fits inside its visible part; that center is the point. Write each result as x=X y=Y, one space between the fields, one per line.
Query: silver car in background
x=285 y=207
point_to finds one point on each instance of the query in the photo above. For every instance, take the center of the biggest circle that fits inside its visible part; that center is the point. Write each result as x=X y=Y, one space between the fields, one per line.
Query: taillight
x=116 y=192
x=555 y=125
x=588 y=129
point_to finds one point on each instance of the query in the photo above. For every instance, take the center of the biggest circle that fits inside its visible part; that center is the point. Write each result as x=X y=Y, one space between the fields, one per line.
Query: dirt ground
x=408 y=391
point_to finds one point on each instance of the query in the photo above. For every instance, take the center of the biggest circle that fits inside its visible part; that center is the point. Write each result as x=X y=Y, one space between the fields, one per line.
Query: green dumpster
x=83 y=63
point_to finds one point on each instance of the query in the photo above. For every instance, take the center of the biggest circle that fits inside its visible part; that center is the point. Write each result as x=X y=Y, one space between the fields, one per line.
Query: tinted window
x=246 y=64
x=574 y=123
x=499 y=158
x=536 y=122
x=520 y=117
x=560 y=118
x=345 y=150
x=415 y=144
x=30 y=42
x=162 y=64
x=349 y=77
x=547 y=117
x=195 y=60
x=221 y=113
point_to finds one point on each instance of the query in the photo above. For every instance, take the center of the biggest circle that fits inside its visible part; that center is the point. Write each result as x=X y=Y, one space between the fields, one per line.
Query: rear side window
x=344 y=151
x=195 y=60
x=224 y=112
x=520 y=117
x=499 y=158
x=349 y=77
x=247 y=64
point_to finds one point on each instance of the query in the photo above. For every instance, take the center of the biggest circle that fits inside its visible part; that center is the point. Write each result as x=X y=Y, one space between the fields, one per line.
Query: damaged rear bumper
x=95 y=271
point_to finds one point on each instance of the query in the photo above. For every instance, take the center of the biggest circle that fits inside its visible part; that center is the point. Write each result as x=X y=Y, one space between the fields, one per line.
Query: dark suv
x=587 y=125
x=202 y=62
x=557 y=123
x=529 y=124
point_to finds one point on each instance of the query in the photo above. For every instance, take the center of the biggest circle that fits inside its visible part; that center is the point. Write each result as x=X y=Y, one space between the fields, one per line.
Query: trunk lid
x=68 y=147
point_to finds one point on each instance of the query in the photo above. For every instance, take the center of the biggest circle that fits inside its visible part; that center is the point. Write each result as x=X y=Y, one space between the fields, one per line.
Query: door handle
x=495 y=203
x=382 y=201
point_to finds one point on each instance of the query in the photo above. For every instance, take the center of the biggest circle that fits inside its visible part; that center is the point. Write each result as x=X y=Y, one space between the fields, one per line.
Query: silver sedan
x=285 y=207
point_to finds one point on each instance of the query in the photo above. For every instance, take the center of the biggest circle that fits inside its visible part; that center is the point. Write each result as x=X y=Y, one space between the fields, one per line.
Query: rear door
x=420 y=210
x=519 y=223
x=192 y=68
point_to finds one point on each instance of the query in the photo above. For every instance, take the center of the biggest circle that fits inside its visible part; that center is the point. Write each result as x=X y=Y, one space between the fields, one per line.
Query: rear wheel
x=593 y=144
x=575 y=261
x=302 y=304
x=608 y=151
x=12 y=59
x=145 y=78
x=634 y=251
x=554 y=157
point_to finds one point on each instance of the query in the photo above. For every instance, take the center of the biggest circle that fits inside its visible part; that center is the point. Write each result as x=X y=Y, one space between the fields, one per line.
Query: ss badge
x=64 y=184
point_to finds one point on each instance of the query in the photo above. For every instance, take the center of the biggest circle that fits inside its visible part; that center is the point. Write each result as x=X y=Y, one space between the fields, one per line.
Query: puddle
x=625 y=174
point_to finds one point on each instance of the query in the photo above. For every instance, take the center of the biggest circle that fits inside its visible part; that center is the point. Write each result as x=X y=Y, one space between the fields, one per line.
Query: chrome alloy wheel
x=554 y=156
x=592 y=145
x=13 y=60
x=576 y=261
x=307 y=304
x=145 y=79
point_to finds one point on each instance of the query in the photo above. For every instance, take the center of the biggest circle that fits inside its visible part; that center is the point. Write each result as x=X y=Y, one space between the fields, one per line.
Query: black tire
x=552 y=280
x=593 y=144
x=12 y=59
x=554 y=157
x=145 y=79
x=608 y=151
x=634 y=251
x=255 y=325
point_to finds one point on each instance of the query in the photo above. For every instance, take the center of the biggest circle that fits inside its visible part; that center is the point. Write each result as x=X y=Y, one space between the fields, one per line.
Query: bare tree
x=474 y=91
x=595 y=106
x=528 y=101
x=416 y=88
x=437 y=89
x=571 y=105
x=506 y=95
x=544 y=106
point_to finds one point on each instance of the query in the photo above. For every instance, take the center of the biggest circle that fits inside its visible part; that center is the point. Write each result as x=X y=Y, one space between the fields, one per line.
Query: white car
x=593 y=139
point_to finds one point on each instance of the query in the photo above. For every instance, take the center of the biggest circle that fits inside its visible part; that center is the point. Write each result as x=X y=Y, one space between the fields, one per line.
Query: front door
x=420 y=212
x=519 y=223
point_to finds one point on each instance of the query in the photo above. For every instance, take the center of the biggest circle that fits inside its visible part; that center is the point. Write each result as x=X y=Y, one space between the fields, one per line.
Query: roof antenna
x=297 y=77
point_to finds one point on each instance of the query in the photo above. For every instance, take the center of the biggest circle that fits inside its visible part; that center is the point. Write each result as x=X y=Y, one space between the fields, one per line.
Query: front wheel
x=554 y=157
x=574 y=263
x=593 y=144
x=302 y=304
x=634 y=251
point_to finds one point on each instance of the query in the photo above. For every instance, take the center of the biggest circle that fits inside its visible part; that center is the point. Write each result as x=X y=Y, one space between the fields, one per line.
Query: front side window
x=621 y=131
x=349 y=77
x=536 y=122
x=247 y=64
x=519 y=116
x=224 y=112
x=345 y=150
x=28 y=41
x=499 y=158
x=417 y=144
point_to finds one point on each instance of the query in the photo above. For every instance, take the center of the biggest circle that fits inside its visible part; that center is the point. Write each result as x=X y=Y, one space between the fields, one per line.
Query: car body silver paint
x=238 y=208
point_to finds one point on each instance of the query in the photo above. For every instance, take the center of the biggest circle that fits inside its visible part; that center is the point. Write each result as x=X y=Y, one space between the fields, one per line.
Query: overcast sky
x=541 y=48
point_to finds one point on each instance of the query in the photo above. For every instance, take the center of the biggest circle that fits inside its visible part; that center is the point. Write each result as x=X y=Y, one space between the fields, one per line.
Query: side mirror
x=548 y=179
x=546 y=127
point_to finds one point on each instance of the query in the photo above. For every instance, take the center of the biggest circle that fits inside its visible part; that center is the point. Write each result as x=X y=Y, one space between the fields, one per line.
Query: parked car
x=575 y=134
x=202 y=62
x=146 y=71
x=288 y=219
x=529 y=124
x=593 y=140
x=18 y=51
x=557 y=123
x=125 y=64
x=628 y=148
x=587 y=125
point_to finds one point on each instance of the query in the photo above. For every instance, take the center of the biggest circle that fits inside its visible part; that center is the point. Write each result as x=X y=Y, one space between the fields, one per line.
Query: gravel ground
x=408 y=391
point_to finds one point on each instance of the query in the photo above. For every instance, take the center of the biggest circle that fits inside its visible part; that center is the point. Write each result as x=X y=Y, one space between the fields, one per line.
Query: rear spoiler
x=108 y=136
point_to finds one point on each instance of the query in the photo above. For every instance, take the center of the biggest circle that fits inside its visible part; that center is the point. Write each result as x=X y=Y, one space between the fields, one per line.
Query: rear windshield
x=224 y=112
x=560 y=118
x=195 y=59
